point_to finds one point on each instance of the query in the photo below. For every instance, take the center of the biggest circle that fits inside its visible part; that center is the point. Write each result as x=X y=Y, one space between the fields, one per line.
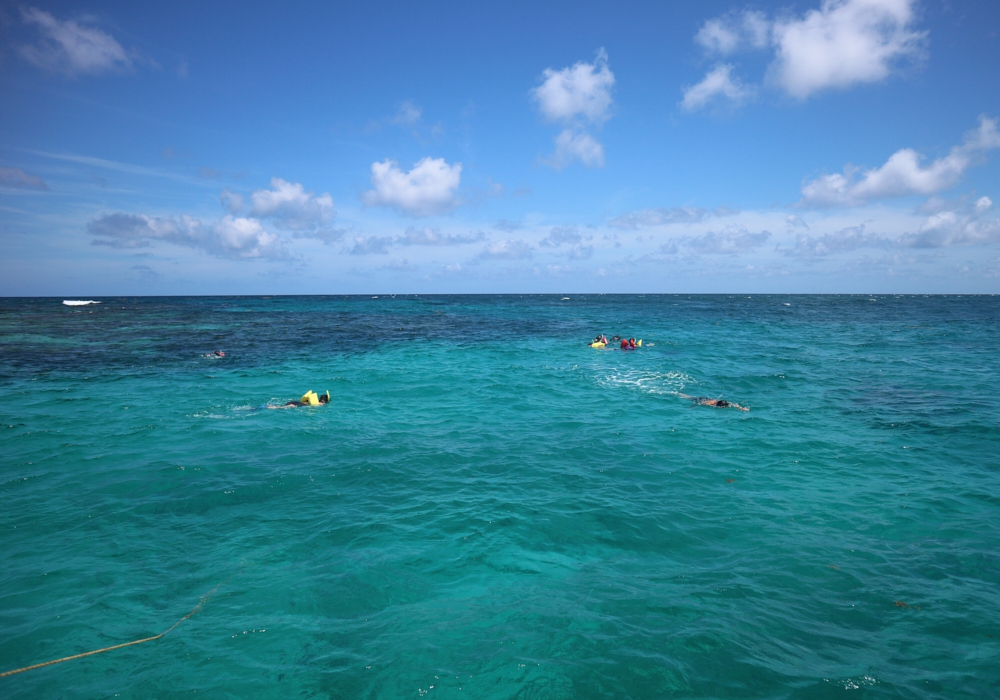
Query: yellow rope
x=204 y=599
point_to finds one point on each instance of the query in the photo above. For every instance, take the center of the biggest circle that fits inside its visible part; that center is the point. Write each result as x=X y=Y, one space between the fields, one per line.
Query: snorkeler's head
x=325 y=398
x=721 y=403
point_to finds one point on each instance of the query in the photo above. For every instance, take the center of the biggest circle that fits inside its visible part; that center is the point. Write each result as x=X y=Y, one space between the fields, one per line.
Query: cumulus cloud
x=580 y=91
x=845 y=240
x=507 y=249
x=66 y=46
x=574 y=145
x=17 y=179
x=433 y=237
x=580 y=252
x=577 y=96
x=732 y=240
x=843 y=43
x=955 y=224
x=559 y=235
x=718 y=83
x=230 y=237
x=371 y=245
x=903 y=173
x=733 y=31
x=676 y=215
x=428 y=189
x=290 y=206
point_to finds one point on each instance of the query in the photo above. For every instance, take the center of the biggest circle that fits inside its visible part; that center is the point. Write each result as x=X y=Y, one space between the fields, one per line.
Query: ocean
x=489 y=508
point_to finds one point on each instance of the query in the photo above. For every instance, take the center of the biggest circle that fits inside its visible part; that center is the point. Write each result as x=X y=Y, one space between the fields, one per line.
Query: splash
x=647 y=382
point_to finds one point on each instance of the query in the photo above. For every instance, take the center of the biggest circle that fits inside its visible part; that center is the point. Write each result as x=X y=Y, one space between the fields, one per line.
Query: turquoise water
x=491 y=509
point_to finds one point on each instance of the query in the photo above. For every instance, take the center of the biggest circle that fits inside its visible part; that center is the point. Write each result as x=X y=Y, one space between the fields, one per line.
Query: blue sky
x=227 y=148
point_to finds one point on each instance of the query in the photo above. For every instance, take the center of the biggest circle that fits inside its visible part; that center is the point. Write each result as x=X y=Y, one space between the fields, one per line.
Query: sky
x=817 y=146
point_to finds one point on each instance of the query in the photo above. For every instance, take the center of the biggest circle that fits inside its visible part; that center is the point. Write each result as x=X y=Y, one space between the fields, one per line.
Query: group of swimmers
x=601 y=341
x=626 y=343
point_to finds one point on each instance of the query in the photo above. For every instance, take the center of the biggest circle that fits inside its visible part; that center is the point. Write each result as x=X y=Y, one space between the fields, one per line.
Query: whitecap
x=79 y=302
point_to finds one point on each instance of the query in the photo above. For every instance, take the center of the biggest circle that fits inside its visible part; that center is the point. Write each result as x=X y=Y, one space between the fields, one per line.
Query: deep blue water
x=489 y=508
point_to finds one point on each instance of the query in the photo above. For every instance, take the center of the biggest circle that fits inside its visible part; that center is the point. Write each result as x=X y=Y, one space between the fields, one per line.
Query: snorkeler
x=214 y=355
x=718 y=403
x=308 y=399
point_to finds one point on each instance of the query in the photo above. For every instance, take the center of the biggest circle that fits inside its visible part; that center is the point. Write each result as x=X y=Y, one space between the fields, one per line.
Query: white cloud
x=577 y=96
x=844 y=240
x=290 y=205
x=17 y=179
x=717 y=83
x=955 y=224
x=428 y=189
x=433 y=237
x=71 y=48
x=732 y=240
x=843 y=43
x=902 y=174
x=734 y=31
x=507 y=249
x=580 y=91
x=576 y=145
x=558 y=235
x=372 y=245
x=659 y=216
x=230 y=237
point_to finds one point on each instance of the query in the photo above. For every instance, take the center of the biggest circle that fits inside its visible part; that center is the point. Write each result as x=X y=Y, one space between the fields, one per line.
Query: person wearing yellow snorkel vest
x=310 y=398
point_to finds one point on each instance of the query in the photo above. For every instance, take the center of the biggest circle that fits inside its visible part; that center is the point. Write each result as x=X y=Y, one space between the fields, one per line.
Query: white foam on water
x=646 y=381
x=79 y=302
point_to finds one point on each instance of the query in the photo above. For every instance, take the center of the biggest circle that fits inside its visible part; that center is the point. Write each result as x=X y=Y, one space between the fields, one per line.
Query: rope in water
x=204 y=599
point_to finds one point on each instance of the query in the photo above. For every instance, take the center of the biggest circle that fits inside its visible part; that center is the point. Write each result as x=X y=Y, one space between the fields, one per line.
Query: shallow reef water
x=489 y=508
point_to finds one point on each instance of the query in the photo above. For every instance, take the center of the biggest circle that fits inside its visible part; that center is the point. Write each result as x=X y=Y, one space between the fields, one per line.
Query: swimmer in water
x=718 y=403
x=325 y=398
x=214 y=355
